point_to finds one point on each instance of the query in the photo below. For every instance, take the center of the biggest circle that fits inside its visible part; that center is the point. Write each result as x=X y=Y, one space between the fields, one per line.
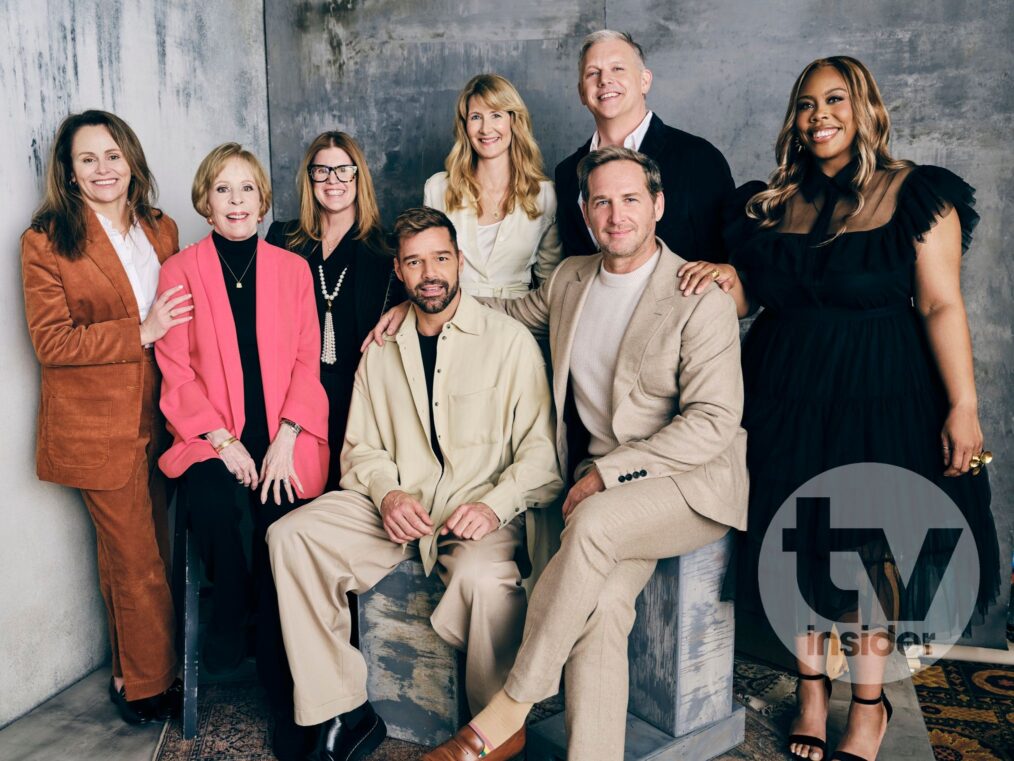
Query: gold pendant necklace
x=239 y=280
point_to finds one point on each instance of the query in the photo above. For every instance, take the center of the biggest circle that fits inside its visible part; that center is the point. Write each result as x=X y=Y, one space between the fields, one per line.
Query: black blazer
x=374 y=275
x=696 y=181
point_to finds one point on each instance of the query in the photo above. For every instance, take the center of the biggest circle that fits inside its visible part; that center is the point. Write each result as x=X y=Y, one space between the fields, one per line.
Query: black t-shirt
x=238 y=263
x=428 y=349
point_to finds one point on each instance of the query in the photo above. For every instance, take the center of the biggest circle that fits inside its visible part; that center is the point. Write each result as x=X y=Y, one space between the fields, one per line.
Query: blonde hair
x=525 y=157
x=61 y=215
x=310 y=214
x=873 y=132
x=212 y=166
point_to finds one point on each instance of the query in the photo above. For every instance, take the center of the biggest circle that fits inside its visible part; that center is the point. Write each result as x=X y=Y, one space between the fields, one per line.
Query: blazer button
x=644 y=473
x=621 y=479
x=637 y=474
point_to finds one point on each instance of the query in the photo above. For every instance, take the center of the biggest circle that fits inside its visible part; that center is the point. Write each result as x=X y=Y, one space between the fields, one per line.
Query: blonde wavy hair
x=525 y=157
x=873 y=132
x=310 y=214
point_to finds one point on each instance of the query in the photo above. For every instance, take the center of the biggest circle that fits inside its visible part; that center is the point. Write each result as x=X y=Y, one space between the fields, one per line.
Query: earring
x=797 y=144
x=211 y=221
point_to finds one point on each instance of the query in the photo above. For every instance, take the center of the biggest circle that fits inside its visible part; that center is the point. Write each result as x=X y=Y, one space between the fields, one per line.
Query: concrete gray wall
x=389 y=71
x=185 y=76
x=188 y=76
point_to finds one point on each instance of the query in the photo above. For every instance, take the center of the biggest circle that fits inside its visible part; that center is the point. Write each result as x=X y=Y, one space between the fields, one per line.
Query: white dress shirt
x=139 y=260
x=632 y=141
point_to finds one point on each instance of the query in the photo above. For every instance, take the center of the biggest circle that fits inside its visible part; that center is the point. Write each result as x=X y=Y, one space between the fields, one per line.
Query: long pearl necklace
x=328 y=355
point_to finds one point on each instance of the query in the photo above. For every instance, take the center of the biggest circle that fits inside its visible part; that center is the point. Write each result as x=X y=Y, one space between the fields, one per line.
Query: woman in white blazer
x=494 y=190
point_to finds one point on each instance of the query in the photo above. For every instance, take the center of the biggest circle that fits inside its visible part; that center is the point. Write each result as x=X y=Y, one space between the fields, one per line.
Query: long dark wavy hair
x=61 y=215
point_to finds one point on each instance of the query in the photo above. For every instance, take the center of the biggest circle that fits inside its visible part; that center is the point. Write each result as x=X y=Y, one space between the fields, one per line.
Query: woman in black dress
x=861 y=355
x=338 y=232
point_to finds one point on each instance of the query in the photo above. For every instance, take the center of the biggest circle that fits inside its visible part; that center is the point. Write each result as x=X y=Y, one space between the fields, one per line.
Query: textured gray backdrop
x=185 y=78
x=189 y=75
x=389 y=73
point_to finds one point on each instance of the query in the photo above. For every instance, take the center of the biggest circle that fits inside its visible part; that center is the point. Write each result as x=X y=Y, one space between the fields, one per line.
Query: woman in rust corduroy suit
x=90 y=264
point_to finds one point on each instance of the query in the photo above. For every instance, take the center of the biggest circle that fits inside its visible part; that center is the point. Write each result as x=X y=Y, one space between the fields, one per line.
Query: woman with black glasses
x=338 y=232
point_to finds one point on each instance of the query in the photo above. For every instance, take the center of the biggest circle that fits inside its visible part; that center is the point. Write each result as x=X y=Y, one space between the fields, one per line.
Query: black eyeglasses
x=342 y=172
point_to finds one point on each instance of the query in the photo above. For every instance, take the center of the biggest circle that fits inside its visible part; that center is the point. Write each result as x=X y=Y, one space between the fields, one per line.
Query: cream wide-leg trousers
x=337 y=544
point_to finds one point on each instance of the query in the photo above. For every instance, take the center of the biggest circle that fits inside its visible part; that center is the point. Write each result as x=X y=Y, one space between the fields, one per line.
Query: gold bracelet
x=224 y=444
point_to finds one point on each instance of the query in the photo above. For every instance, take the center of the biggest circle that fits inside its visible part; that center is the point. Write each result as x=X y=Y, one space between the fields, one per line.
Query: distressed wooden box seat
x=415 y=679
x=681 y=661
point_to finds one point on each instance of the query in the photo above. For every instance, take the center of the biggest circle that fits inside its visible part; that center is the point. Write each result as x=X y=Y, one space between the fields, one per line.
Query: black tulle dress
x=837 y=366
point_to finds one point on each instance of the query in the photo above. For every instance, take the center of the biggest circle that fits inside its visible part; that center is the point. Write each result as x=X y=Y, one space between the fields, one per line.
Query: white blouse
x=139 y=260
x=519 y=243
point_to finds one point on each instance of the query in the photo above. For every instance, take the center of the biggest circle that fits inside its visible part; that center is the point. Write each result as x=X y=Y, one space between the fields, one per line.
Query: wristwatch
x=296 y=427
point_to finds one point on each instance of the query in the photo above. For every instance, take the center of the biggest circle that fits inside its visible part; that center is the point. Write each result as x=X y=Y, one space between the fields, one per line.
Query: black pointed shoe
x=135 y=711
x=351 y=736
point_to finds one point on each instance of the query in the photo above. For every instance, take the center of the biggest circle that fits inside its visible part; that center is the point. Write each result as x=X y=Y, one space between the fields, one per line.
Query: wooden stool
x=415 y=680
x=681 y=660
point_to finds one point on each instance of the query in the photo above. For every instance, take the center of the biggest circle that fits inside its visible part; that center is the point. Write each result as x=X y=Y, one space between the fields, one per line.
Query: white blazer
x=521 y=243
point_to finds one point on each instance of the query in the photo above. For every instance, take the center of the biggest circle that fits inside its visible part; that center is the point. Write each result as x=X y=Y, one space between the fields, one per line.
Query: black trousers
x=216 y=503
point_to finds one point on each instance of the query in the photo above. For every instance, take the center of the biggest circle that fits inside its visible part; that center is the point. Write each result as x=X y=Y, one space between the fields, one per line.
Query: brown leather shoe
x=466 y=745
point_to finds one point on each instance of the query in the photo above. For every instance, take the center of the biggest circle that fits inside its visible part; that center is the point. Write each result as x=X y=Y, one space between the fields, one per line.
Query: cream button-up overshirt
x=492 y=412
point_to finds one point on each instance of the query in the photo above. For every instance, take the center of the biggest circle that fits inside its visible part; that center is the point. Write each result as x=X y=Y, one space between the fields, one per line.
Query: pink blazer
x=202 y=379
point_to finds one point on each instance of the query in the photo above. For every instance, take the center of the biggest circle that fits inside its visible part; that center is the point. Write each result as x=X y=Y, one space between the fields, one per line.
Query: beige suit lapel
x=655 y=304
x=574 y=297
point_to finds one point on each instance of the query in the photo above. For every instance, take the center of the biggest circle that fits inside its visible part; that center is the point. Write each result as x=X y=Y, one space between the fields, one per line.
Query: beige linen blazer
x=491 y=410
x=521 y=243
x=678 y=389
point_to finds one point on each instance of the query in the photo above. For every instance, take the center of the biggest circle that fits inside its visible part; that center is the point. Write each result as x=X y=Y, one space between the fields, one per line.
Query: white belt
x=512 y=291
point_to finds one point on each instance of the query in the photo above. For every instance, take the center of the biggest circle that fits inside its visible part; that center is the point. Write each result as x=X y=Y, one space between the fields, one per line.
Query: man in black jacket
x=613 y=85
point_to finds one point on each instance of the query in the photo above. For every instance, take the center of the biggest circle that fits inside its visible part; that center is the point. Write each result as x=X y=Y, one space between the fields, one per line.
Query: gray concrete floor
x=79 y=724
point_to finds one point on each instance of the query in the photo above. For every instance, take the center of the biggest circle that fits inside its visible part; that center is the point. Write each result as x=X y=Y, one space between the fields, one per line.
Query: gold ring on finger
x=979 y=461
x=715 y=274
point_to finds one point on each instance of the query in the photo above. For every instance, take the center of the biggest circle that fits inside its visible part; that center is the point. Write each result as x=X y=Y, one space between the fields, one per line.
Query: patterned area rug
x=968 y=708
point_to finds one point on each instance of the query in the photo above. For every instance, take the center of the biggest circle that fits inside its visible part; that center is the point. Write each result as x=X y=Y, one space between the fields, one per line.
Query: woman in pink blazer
x=242 y=398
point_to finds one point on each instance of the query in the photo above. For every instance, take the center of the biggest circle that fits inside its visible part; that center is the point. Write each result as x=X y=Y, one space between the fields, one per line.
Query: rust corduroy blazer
x=85 y=326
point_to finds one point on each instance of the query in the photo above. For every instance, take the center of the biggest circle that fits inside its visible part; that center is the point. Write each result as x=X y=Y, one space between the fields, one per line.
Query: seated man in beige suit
x=648 y=394
x=449 y=441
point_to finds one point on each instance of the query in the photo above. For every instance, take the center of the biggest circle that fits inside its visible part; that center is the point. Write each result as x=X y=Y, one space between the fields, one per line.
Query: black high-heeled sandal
x=815 y=743
x=844 y=755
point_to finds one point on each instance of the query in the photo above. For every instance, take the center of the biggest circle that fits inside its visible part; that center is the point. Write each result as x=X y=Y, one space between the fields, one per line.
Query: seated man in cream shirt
x=449 y=441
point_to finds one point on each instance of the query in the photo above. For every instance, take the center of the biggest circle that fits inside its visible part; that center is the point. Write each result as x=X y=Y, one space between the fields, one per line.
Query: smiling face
x=824 y=119
x=334 y=196
x=235 y=200
x=614 y=83
x=621 y=212
x=428 y=265
x=100 y=170
x=489 y=130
